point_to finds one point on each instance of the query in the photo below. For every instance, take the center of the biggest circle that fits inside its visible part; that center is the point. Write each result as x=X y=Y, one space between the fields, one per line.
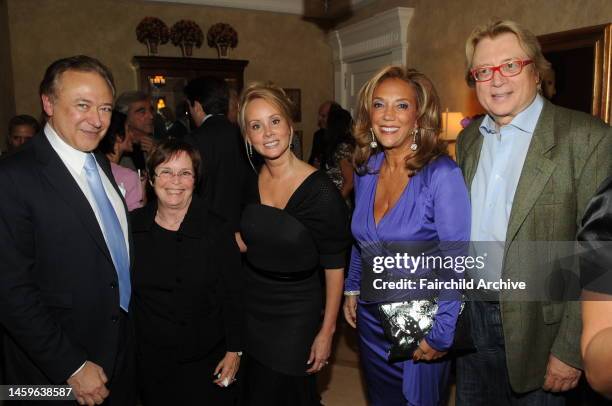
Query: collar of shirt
x=525 y=121
x=206 y=117
x=69 y=155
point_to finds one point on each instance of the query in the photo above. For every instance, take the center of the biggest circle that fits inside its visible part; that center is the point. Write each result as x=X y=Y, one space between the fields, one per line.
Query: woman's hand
x=241 y=245
x=226 y=369
x=350 y=309
x=319 y=352
x=426 y=353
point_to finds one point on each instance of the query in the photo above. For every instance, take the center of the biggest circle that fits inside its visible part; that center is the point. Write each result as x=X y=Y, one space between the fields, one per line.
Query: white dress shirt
x=75 y=162
x=492 y=192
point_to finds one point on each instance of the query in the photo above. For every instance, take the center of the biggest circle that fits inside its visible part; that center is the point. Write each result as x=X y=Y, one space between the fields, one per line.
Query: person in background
x=318 y=138
x=338 y=148
x=531 y=168
x=21 y=129
x=408 y=190
x=218 y=141
x=136 y=105
x=295 y=224
x=595 y=236
x=179 y=128
x=116 y=142
x=232 y=111
x=188 y=288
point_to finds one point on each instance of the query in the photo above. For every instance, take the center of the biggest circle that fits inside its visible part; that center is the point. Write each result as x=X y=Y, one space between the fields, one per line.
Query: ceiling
x=330 y=9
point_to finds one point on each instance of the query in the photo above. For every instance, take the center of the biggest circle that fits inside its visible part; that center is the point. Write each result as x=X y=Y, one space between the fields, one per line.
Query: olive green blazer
x=569 y=156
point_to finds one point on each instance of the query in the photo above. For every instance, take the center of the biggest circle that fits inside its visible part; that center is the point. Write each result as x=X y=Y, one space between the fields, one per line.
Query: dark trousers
x=482 y=376
x=122 y=385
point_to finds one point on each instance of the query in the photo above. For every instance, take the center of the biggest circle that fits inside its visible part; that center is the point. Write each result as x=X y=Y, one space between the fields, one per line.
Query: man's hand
x=147 y=143
x=560 y=377
x=89 y=384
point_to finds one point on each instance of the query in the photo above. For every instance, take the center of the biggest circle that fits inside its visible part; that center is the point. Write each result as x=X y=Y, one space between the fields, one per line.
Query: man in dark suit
x=65 y=253
x=218 y=140
x=318 y=138
x=531 y=168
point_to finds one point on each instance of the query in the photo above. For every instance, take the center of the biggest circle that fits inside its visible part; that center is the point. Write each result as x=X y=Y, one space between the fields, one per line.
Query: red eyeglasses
x=507 y=69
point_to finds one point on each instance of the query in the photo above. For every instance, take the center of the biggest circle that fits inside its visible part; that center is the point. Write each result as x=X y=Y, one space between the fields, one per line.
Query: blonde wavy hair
x=527 y=41
x=428 y=120
x=269 y=92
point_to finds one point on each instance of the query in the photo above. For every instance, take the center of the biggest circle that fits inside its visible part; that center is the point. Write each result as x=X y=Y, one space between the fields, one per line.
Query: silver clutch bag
x=406 y=323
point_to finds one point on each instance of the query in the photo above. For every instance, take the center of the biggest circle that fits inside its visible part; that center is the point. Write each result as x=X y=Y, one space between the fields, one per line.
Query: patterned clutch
x=406 y=323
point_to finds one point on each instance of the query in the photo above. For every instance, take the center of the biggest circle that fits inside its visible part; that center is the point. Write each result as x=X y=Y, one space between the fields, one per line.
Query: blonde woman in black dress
x=295 y=226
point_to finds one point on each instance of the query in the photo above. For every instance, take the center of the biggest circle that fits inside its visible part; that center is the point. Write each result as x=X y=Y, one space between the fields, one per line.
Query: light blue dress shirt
x=499 y=168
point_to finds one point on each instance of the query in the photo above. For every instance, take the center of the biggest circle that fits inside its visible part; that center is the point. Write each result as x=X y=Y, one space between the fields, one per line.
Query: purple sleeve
x=353 y=280
x=452 y=215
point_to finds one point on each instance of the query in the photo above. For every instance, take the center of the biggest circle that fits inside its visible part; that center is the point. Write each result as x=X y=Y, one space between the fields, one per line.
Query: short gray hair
x=126 y=98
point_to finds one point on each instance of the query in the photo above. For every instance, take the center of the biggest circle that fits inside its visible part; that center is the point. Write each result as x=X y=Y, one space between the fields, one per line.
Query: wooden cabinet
x=176 y=72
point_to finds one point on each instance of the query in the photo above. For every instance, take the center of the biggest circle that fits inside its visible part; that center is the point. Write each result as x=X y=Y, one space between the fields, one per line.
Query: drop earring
x=249 y=148
x=373 y=143
x=414 y=146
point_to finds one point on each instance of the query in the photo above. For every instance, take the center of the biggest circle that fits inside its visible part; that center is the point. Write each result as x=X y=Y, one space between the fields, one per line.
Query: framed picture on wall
x=295 y=95
x=581 y=74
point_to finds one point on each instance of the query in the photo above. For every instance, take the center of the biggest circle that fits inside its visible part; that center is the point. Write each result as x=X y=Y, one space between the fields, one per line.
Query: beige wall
x=280 y=47
x=7 y=100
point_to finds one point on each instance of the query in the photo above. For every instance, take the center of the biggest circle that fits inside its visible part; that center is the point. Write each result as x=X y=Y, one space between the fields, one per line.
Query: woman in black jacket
x=187 y=289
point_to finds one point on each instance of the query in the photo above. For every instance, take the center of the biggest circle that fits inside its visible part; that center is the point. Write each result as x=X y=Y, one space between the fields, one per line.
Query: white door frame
x=383 y=33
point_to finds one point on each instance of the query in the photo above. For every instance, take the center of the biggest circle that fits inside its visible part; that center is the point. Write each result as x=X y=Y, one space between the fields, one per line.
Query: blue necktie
x=112 y=230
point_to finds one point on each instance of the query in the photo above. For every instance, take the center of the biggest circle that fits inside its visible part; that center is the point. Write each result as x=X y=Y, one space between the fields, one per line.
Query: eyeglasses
x=167 y=174
x=507 y=69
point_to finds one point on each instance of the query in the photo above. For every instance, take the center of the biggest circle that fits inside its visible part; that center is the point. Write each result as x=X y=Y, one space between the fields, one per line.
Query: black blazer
x=198 y=301
x=223 y=167
x=59 y=296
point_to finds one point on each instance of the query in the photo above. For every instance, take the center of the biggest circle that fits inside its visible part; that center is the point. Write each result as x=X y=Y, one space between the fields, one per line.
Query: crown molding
x=277 y=6
x=377 y=34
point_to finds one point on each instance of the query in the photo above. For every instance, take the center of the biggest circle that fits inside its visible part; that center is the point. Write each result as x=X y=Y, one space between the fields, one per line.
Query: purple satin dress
x=433 y=207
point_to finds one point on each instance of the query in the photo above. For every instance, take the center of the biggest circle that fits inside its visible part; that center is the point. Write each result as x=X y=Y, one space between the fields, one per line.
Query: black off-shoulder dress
x=287 y=249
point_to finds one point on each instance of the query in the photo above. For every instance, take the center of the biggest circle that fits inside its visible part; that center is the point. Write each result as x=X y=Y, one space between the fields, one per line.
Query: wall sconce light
x=451 y=125
x=157 y=80
x=161 y=103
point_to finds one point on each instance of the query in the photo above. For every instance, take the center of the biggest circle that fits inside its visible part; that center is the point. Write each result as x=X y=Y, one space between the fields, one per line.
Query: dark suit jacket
x=223 y=167
x=59 y=296
x=569 y=156
x=185 y=311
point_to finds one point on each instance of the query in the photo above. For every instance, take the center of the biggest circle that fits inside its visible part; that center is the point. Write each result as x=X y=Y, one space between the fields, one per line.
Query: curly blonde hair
x=428 y=119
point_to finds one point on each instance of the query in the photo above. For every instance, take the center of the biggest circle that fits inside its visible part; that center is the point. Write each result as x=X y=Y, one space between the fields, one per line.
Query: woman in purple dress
x=407 y=191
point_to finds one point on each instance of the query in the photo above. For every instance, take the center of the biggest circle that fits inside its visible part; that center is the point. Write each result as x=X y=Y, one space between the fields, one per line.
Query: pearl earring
x=373 y=143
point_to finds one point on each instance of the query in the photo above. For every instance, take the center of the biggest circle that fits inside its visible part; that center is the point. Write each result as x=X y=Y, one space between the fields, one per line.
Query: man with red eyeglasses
x=531 y=168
